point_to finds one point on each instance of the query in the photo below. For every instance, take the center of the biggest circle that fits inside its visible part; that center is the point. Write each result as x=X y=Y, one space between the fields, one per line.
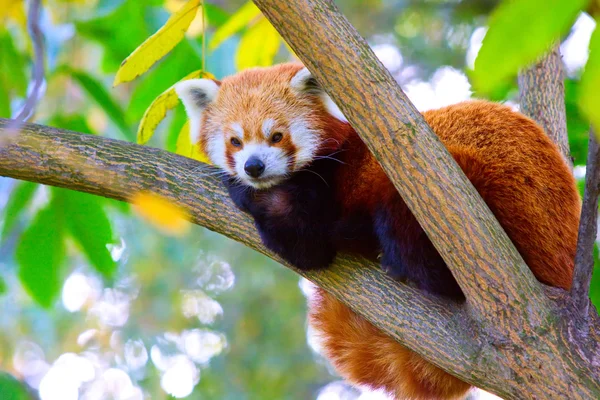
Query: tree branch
x=439 y=330
x=588 y=226
x=542 y=98
x=416 y=161
x=37 y=74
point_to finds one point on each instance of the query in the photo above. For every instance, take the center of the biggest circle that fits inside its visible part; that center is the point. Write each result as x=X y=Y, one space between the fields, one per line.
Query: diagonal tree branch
x=588 y=226
x=554 y=365
x=415 y=161
x=542 y=98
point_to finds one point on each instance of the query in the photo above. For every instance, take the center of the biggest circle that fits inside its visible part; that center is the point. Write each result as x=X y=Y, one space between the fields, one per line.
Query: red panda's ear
x=196 y=95
x=304 y=83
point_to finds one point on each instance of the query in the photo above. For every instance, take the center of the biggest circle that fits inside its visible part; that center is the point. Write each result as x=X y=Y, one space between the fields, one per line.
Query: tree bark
x=552 y=362
x=542 y=98
x=588 y=226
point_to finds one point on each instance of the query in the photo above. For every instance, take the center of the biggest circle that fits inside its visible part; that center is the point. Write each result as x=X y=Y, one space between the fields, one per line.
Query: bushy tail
x=364 y=355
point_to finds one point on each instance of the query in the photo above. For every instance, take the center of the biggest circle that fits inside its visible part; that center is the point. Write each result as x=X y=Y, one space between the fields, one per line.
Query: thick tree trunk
x=551 y=362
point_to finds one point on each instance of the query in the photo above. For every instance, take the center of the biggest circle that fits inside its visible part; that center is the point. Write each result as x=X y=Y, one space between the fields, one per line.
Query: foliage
x=12 y=389
x=157 y=45
x=589 y=101
x=522 y=31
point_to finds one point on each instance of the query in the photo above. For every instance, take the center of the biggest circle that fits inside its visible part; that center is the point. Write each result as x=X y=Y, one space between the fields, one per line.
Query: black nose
x=254 y=167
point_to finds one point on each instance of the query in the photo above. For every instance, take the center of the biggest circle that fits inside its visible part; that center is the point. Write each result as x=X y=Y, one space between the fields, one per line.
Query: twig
x=584 y=259
x=37 y=74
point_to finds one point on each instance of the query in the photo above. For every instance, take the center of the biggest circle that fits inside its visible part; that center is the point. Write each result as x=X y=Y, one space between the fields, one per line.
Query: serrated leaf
x=39 y=255
x=100 y=95
x=157 y=45
x=12 y=389
x=89 y=227
x=185 y=148
x=258 y=46
x=19 y=198
x=589 y=94
x=520 y=31
x=159 y=107
x=238 y=21
x=166 y=216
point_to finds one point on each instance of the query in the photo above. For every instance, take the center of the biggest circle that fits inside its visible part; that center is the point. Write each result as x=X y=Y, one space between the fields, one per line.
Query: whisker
x=313 y=172
x=329 y=158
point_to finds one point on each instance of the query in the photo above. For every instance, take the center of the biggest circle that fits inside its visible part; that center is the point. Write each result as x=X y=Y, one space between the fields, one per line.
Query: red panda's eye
x=236 y=142
x=276 y=138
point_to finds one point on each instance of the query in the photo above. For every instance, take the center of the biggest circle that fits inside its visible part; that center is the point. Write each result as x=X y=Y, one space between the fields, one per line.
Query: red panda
x=295 y=164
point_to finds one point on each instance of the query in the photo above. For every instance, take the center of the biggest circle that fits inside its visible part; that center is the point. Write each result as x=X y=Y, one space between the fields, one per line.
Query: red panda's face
x=260 y=125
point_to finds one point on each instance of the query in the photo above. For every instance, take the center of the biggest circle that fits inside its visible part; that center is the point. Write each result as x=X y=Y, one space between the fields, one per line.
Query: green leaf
x=40 y=254
x=157 y=45
x=3 y=287
x=89 y=227
x=118 y=38
x=595 y=283
x=215 y=15
x=72 y=122
x=98 y=93
x=13 y=65
x=17 y=201
x=578 y=127
x=520 y=31
x=589 y=96
x=179 y=118
x=258 y=46
x=4 y=102
x=238 y=21
x=12 y=389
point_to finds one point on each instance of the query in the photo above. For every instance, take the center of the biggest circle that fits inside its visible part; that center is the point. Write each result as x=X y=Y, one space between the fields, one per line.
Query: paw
x=241 y=195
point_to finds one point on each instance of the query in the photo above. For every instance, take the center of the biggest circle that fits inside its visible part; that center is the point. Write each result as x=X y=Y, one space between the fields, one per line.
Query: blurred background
x=197 y=315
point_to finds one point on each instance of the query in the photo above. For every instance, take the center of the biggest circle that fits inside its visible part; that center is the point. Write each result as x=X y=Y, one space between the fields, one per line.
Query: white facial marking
x=274 y=159
x=267 y=127
x=306 y=141
x=215 y=150
x=237 y=128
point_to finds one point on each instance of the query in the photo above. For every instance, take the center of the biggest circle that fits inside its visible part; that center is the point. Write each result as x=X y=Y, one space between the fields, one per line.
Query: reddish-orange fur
x=522 y=177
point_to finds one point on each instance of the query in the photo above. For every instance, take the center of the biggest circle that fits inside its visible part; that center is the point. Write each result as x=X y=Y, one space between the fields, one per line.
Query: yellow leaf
x=185 y=148
x=13 y=9
x=238 y=21
x=196 y=27
x=166 y=216
x=159 y=107
x=258 y=46
x=157 y=45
